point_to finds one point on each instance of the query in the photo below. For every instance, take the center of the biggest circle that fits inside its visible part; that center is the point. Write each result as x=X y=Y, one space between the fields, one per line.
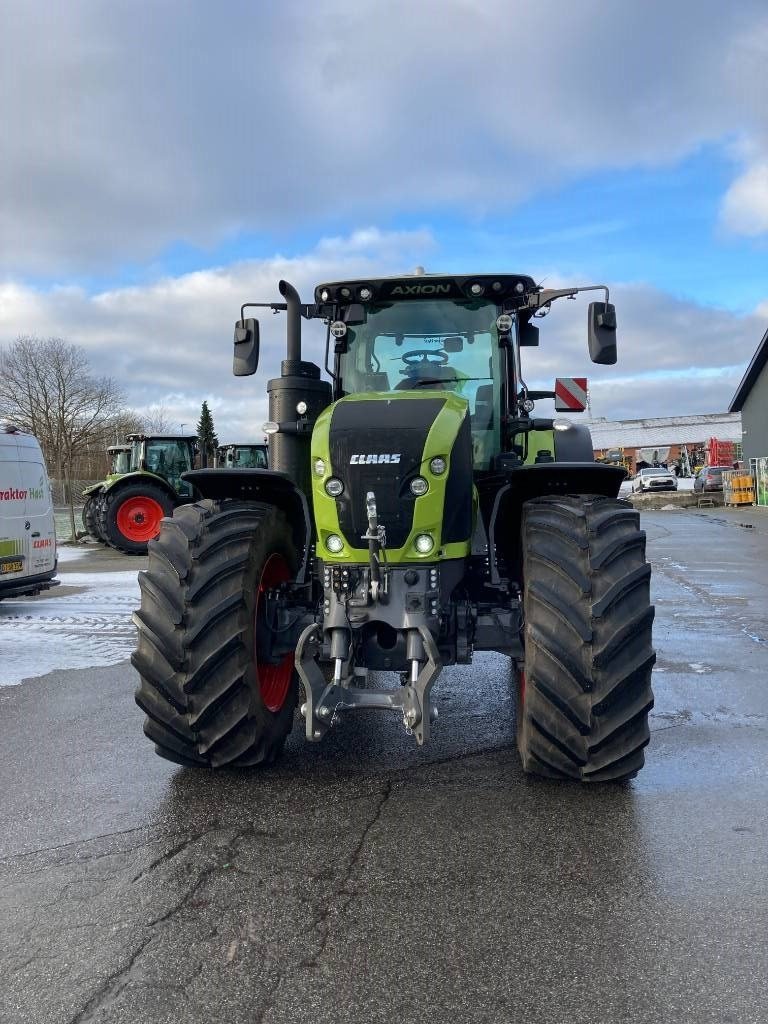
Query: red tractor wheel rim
x=139 y=518
x=274 y=680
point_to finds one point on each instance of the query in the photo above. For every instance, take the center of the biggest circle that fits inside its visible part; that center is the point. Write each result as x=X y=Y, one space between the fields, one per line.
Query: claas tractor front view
x=415 y=512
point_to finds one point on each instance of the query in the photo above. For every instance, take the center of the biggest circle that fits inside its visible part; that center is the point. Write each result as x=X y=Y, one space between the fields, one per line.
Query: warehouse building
x=751 y=401
x=683 y=442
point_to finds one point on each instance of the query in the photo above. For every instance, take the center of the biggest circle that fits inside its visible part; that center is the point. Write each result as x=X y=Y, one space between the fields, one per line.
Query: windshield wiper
x=422 y=381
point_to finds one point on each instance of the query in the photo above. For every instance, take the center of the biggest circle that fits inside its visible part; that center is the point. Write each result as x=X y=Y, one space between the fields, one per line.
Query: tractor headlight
x=424 y=543
x=561 y=424
x=418 y=486
x=270 y=427
x=334 y=486
x=437 y=465
x=319 y=467
x=334 y=543
x=366 y=293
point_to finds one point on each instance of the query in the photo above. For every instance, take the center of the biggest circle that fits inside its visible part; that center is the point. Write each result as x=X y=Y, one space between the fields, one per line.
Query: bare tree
x=49 y=390
x=156 y=420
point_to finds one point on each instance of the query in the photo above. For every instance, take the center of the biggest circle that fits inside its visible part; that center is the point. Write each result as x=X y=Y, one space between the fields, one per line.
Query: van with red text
x=27 y=531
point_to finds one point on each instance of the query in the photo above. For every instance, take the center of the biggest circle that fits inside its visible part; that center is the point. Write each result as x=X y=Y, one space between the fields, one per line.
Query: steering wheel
x=421 y=357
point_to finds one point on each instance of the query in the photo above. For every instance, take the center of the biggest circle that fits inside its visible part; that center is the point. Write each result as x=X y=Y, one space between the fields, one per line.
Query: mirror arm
x=308 y=311
x=547 y=295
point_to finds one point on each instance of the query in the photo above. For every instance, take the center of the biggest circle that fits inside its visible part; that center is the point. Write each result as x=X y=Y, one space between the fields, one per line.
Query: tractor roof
x=470 y=287
x=162 y=437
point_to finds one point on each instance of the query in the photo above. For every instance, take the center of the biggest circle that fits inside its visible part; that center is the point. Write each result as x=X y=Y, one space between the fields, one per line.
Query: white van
x=27 y=531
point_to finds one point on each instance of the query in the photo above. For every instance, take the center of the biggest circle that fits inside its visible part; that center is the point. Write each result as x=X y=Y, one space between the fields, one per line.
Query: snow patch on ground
x=65 y=630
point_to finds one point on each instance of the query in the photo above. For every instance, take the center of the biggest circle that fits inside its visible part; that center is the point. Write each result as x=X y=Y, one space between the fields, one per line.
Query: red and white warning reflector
x=570 y=394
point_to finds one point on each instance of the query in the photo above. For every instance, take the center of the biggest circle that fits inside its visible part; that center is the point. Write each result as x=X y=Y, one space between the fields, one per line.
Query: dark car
x=710 y=478
x=654 y=479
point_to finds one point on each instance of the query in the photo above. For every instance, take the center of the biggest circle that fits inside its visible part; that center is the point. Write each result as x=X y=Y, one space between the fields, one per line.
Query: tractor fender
x=110 y=486
x=522 y=483
x=265 y=485
x=94 y=489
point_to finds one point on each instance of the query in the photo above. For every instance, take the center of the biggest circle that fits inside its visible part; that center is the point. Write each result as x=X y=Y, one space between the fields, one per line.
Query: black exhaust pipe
x=293 y=302
x=289 y=451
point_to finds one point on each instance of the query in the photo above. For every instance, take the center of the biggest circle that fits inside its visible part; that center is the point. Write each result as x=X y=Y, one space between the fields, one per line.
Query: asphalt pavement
x=368 y=880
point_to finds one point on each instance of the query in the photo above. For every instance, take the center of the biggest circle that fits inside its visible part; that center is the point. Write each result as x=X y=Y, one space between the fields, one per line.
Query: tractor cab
x=119 y=456
x=165 y=456
x=242 y=456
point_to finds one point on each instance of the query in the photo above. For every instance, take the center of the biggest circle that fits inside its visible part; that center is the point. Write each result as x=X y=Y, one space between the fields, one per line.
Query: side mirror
x=528 y=335
x=601 y=327
x=246 y=347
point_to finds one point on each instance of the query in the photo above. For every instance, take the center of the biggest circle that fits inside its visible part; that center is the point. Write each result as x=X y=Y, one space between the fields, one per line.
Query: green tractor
x=125 y=510
x=242 y=456
x=415 y=513
x=119 y=464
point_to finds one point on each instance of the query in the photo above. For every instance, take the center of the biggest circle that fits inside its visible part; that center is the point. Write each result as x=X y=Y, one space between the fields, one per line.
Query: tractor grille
x=379 y=429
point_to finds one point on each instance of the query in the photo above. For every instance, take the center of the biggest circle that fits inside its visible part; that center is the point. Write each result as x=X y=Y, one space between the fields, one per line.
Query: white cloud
x=745 y=206
x=127 y=128
x=169 y=342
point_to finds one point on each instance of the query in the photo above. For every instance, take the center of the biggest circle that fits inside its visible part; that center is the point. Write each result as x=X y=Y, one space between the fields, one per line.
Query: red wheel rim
x=139 y=518
x=274 y=680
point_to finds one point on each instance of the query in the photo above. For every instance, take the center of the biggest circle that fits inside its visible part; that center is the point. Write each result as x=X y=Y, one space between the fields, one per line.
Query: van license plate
x=15 y=566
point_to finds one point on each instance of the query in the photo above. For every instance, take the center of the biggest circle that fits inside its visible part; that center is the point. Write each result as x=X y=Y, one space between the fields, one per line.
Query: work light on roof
x=476 y=288
x=325 y=295
x=519 y=287
x=366 y=293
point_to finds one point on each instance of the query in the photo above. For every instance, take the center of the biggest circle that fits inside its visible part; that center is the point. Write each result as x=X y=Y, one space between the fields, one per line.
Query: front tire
x=90 y=519
x=586 y=692
x=209 y=698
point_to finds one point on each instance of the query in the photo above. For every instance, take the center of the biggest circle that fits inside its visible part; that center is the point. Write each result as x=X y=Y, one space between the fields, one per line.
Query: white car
x=654 y=480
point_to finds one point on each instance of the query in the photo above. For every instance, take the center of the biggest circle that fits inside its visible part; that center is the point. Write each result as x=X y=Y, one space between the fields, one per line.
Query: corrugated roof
x=666 y=430
x=755 y=368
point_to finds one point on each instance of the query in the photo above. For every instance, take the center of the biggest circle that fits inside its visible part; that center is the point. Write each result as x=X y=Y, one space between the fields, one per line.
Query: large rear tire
x=131 y=516
x=209 y=698
x=585 y=690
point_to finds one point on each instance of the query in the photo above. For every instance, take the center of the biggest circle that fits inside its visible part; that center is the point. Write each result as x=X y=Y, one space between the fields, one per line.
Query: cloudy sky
x=163 y=162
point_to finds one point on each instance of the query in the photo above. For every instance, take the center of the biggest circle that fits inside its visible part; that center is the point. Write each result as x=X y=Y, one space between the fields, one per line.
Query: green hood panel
x=381 y=441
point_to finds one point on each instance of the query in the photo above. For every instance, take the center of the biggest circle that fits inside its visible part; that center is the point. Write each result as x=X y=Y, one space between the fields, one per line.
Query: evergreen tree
x=207 y=436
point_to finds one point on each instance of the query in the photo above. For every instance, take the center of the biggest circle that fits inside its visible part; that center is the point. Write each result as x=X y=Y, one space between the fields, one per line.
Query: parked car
x=710 y=478
x=654 y=480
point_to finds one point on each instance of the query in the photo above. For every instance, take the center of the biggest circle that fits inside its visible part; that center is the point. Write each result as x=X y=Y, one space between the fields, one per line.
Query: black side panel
x=457 y=514
x=371 y=430
x=574 y=445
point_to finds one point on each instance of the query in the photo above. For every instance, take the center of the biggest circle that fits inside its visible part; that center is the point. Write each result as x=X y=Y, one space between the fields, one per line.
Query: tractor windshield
x=169 y=458
x=433 y=345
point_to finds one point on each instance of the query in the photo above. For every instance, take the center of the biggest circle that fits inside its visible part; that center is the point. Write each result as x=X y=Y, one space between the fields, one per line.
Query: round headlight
x=504 y=323
x=334 y=543
x=338 y=328
x=519 y=287
x=419 y=486
x=325 y=295
x=333 y=486
x=346 y=293
x=319 y=467
x=561 y=424
x=424 y=543
x=529 y=405
x=437 y=465
x=366 y=294
x=270 y=428
x=476 y=289
x=301 y=408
